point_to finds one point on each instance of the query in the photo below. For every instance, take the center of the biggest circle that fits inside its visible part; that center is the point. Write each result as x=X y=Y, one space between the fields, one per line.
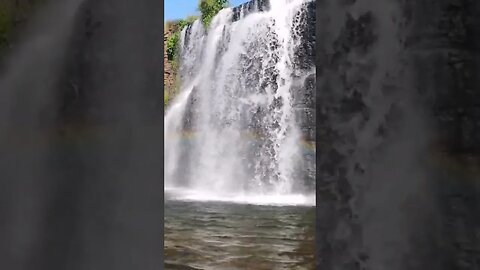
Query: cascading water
x=232 y=133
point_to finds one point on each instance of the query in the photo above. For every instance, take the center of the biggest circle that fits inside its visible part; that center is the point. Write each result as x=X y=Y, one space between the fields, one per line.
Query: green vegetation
x=172 y=41
x=165 y=97
x=172 y=45
x=184 y=23
x=210 y=8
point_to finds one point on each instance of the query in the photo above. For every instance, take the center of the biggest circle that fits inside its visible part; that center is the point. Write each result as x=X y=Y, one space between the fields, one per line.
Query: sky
x=178 y=9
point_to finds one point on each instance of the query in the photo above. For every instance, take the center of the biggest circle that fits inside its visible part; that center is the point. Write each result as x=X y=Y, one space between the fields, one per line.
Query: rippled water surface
x=220 y=235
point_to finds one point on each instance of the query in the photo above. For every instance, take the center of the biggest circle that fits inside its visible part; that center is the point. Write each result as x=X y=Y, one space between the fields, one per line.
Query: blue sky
x=178 y=9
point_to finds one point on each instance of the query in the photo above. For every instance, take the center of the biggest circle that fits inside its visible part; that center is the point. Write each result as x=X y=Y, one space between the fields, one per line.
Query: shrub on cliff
x=172 y=45
x=172 y=41
x=210 y=8
x=186 y=22
x=165 y=98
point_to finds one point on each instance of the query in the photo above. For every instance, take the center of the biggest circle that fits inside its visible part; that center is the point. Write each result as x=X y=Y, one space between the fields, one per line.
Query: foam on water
x=258 y=199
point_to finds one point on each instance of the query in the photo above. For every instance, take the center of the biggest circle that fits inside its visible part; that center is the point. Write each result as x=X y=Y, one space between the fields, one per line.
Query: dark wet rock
x=304 y=30
x=250 y=7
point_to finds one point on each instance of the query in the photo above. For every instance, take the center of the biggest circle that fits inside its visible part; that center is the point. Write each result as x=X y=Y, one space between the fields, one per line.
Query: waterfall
x=232 y=132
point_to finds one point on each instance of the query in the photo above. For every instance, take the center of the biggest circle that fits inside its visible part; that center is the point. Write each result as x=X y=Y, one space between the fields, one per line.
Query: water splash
x=237 y=77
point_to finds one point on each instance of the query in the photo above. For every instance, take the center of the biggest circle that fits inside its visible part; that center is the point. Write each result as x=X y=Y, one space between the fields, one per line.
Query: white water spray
x=236 y=96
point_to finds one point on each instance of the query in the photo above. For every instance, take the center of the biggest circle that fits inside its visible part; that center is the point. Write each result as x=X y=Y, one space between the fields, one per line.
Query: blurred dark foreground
x=81 y=146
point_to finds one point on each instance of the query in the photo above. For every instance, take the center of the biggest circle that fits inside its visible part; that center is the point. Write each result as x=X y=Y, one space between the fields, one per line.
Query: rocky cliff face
x=169 y=70
x=397 y=175
x=303 y=79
